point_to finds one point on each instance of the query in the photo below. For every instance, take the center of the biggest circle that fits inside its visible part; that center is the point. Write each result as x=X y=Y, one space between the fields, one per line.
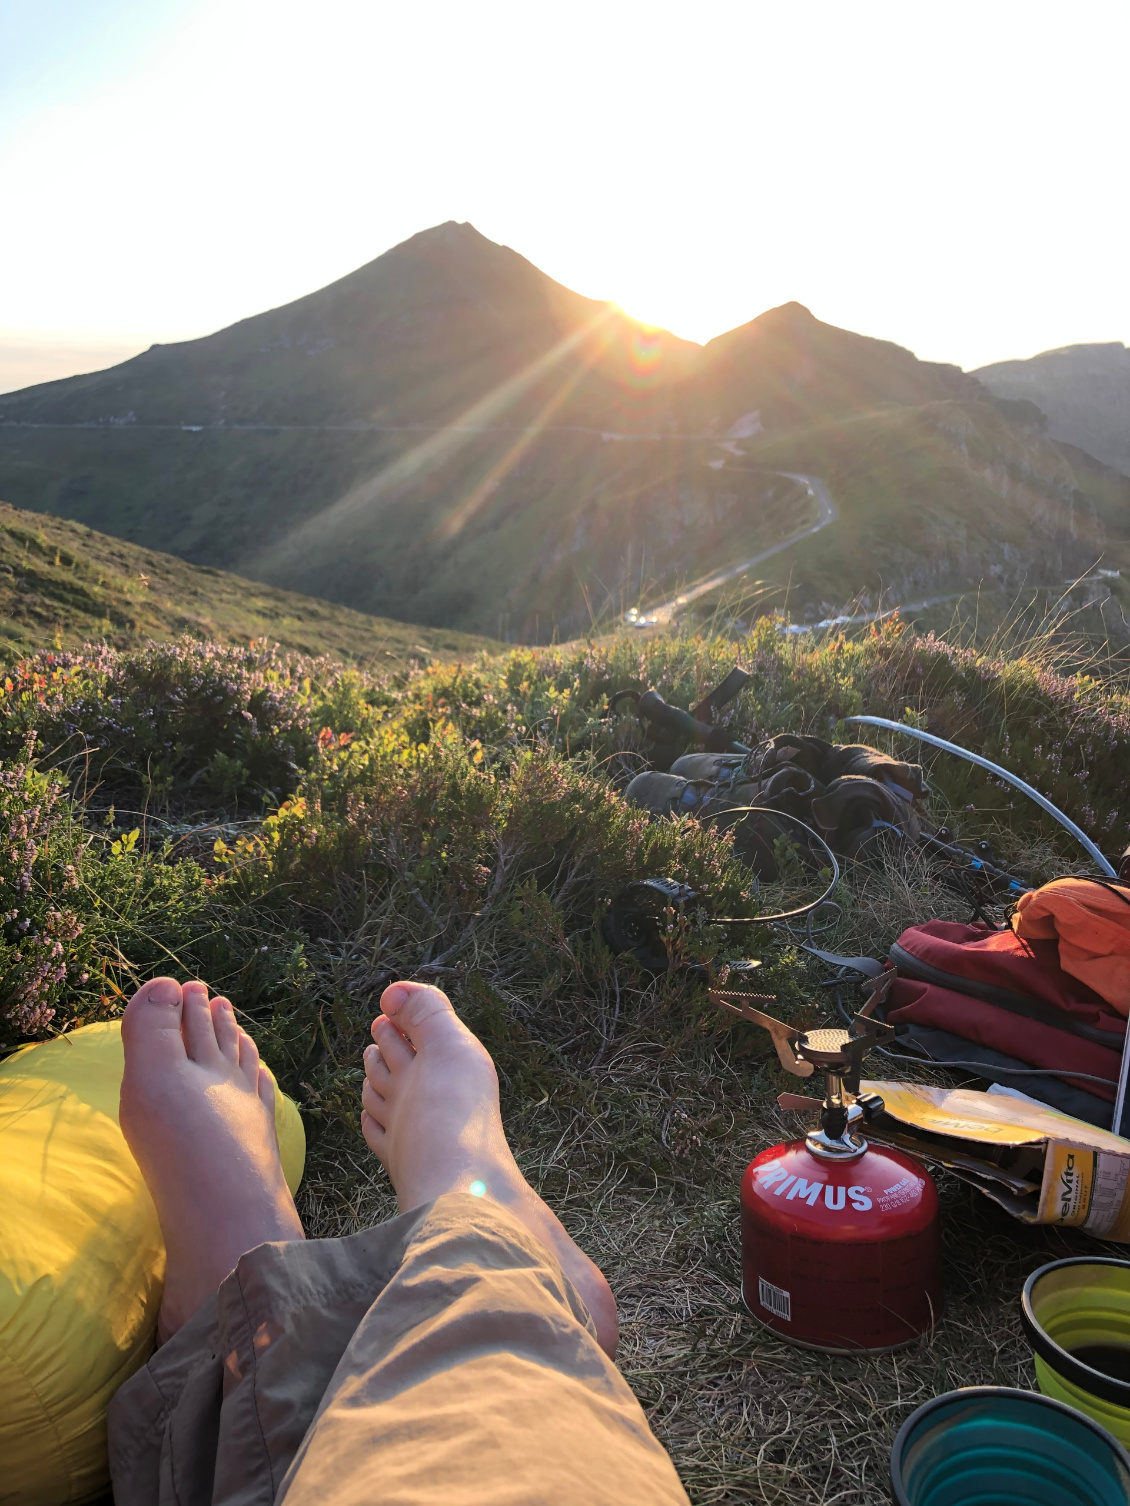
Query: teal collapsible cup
x=991 y=1446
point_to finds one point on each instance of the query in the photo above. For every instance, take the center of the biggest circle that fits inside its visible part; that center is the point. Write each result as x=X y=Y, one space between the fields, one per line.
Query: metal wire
x=801 y=911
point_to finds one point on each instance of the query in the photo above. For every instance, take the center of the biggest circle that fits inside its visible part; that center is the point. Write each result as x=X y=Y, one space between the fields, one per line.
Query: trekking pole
x=654 y=709
x=994 y=768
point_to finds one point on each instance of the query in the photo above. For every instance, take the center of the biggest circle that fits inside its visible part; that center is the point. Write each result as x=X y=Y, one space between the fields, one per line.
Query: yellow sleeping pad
x=81 y=1261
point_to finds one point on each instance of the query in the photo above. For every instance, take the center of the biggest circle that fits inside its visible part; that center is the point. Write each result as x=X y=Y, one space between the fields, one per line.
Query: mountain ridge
x=449 y=436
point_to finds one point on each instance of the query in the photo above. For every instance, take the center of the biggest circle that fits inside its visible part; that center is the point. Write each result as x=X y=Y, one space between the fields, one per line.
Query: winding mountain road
x=661 y=616
x=658 y=616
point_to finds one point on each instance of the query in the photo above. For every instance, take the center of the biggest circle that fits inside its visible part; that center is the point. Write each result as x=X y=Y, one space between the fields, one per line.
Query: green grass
x=62 y=584
x=462 y=823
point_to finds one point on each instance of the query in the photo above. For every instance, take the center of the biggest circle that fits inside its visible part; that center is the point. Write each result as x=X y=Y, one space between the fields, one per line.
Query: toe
x=420 y=1012
x=227 y=1031
x=395 y=1050
x=373 y=1104
x=375 y=1136
x=151 y=1024
x=376 y=1070
x=248 y=1056
x=196 y=1024
x=265 y=1084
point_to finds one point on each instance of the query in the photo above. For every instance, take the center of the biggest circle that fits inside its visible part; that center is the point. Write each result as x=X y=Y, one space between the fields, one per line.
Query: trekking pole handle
x=653 y=708
x=973 y=862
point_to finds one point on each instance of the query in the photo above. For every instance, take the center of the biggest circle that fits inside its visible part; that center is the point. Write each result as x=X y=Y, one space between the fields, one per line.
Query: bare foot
x=197 y=1111
x=430 y=1113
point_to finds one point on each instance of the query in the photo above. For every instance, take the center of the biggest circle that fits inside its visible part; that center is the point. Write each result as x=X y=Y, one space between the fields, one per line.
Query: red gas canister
x=841 y=1254
x=841 y=1246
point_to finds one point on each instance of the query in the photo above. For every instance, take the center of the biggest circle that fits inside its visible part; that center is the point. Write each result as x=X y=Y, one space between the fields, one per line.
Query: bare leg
x=430 y=1113
x=197 y=1111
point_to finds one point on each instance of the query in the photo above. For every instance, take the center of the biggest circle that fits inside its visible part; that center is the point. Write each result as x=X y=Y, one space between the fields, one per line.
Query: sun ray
x=465 y=510
x=350 y=509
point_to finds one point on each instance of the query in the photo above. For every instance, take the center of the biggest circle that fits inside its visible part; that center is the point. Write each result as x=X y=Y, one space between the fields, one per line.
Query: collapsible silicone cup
x=990 y=1446
x=1071 y=1304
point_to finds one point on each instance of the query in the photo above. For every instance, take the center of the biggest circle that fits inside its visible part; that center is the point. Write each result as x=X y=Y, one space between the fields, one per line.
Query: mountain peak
x=790 y=367
x=451 y=233
x=787 y=313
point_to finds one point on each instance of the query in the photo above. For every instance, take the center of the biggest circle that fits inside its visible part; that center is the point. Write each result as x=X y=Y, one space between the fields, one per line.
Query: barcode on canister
x=774 y=1299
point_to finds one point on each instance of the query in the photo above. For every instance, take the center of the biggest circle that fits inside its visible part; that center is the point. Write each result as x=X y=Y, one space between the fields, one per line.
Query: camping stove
x=840 y=1239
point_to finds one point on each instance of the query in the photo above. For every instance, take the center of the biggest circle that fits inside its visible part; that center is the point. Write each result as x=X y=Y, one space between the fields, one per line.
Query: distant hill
x=62 y=584
x=790 y=368
x=449 y=436
x=1083 y=389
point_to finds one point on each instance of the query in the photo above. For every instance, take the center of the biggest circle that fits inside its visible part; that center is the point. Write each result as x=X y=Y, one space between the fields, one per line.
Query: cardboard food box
x=1040 y=1165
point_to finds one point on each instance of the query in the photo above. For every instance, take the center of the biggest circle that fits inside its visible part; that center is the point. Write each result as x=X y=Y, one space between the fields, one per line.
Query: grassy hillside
x=574 y=527
x=449 y=436
x=62 y=584
x=462 y=824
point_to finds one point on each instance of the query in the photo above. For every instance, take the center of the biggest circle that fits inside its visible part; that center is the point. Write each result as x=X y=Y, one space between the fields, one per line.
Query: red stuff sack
x=986 y=1000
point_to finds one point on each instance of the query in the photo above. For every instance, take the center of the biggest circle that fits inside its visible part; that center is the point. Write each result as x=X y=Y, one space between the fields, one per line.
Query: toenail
x=395 y=995
x=163 y=991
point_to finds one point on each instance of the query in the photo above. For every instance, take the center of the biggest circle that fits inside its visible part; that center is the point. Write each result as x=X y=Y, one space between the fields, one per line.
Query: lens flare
x=645 y=354
x=352 y=511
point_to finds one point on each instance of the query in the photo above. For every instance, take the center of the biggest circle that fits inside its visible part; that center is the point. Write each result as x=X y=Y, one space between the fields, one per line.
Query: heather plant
x=89 y=914
x=404 y=790
x=183 y=723
x=41 y=849
x=1069 y=734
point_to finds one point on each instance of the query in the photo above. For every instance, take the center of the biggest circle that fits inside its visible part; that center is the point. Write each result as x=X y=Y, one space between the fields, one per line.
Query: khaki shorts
x=440 y=1357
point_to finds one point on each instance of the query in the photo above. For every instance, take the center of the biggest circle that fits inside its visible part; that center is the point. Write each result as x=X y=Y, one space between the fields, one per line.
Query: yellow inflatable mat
x=81 y=1261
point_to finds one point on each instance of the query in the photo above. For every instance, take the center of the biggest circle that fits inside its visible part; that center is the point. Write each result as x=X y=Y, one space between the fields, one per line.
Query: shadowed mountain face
x=790 y=369
x=418 y=336
x=1083 y=389
x=449 y=436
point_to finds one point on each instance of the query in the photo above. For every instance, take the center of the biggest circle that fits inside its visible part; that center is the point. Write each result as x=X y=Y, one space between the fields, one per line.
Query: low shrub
x=185 y=723
x=473 y=808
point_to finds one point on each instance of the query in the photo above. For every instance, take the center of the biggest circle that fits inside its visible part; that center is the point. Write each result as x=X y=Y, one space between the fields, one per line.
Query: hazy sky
x=951 y=176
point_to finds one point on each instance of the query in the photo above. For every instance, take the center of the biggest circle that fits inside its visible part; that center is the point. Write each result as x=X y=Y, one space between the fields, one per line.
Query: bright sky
x=952 y=176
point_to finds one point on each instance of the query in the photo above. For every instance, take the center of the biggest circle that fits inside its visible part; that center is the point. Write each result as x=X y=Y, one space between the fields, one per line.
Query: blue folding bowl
x=992 y=1446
